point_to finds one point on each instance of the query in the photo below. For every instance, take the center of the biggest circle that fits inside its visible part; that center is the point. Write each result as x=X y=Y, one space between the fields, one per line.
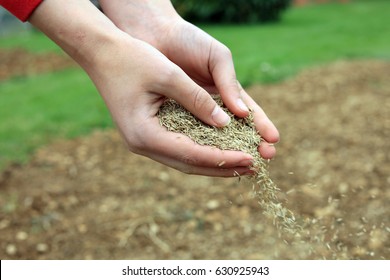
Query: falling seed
x=240 y=135
x=290 y=191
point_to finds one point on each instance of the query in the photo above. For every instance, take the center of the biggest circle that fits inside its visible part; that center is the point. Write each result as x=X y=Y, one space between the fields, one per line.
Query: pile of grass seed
x=239 y=135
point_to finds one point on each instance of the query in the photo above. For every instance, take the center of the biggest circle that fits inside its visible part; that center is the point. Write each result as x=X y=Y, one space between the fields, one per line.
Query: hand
x=134 y=83
x=133 y=78
x=208 y=62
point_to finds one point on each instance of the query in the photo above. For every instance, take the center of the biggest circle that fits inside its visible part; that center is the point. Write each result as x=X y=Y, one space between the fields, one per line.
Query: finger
x=263 y=124
x=224 y=75
x=180 y=152
x=194 y=98
x=267 y=150
x=181 y=149
x=265 y=127
x=205 y=171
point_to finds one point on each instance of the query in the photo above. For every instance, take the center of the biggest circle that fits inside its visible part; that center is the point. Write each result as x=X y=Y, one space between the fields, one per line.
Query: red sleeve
x=22 y=9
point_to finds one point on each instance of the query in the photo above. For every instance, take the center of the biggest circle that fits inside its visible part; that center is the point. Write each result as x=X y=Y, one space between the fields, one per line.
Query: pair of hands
x=156 y=54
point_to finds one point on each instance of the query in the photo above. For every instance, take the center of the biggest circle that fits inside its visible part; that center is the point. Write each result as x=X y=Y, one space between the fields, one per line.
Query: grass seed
x=239 y=135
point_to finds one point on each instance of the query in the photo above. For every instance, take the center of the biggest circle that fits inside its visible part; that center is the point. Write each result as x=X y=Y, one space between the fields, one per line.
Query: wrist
x=80 y=29
x=149 y=21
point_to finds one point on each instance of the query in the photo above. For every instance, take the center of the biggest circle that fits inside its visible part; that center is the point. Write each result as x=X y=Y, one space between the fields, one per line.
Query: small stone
x=11 y=249
x=359 y=252
x=4 y=224
x=374 y=192
x=42 y=247
x=377 y=238
x=164 y=176
x=343 y=188
x=82 y=228
x=218 y=227
x=192 y=224
x=21 y=235
x=212 y=204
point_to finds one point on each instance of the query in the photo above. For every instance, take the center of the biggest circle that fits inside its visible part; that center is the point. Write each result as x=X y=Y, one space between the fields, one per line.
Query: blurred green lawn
x=37 y=109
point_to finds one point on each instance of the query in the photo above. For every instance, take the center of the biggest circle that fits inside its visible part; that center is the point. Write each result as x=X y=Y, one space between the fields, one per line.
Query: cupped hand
x=134 y=79
x=207 y=61
x=210 y=64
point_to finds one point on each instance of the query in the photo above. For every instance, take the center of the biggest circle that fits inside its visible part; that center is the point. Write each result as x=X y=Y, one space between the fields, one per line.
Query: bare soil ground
x=88 y=198
x=19 y=62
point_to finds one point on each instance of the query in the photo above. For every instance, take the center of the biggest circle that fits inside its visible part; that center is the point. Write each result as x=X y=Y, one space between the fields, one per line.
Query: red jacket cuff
x=22 y=9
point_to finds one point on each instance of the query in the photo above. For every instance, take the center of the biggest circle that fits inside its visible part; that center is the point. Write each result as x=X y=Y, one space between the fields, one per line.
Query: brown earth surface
x=19 y=62
x=88 y=198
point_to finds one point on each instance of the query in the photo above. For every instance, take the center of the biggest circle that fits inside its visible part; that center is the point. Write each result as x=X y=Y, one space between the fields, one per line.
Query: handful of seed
x=239 y=135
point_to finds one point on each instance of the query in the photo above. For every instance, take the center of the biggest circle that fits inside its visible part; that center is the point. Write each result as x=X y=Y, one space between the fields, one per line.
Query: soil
x=21 y=63
x=89 y=198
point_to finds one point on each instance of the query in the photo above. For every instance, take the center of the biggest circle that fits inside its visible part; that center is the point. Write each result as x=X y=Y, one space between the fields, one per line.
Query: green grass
x=35 y=110
x=307 y=36
x=33 y=41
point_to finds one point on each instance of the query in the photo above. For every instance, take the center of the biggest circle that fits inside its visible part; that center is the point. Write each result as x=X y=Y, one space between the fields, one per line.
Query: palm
x=209 y=63
x=191 y=48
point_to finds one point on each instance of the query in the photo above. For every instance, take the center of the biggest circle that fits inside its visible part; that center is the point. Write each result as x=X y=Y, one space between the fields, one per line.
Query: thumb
x=195 y=99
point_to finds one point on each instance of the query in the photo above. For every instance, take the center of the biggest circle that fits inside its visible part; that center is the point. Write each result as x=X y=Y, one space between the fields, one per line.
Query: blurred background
x=266 y=50
x=320 y=69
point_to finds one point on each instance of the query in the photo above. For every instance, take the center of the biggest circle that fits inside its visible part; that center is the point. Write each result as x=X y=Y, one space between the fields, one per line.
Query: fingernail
x=246 y=162
x=242 y=105
x=249 y=173
x=220 y=117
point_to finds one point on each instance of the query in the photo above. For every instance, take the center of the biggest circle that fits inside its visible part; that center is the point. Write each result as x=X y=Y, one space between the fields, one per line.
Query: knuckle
x=136 y=143
x=135 y=147
x=220 y=50
x=200 y=99
x=225 y=52
x=168 y=75
x=188 y=160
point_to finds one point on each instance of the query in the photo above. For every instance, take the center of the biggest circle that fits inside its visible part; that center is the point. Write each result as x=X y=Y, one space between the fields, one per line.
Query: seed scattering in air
x=239 y=135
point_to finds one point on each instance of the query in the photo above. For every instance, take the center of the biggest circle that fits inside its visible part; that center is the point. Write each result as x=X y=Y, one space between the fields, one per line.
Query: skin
x=140 y=52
